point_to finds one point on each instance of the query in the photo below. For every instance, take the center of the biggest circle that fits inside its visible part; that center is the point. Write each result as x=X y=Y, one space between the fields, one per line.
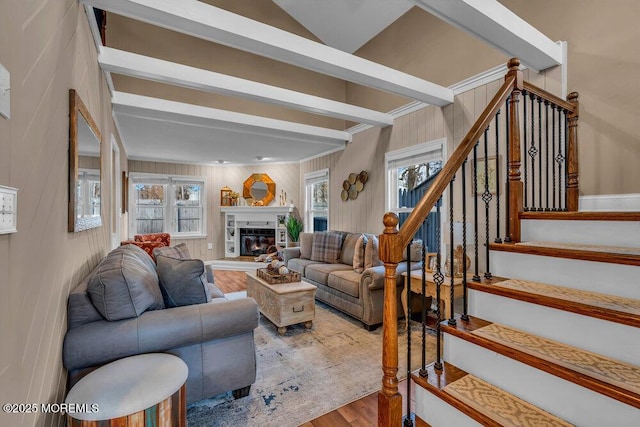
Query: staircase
x=553 y=338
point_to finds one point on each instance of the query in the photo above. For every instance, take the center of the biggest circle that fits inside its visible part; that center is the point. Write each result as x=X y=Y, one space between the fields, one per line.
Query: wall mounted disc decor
x=353 y=185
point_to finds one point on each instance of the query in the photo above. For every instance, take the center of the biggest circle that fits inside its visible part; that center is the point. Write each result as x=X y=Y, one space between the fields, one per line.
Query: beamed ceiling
x=186 y=127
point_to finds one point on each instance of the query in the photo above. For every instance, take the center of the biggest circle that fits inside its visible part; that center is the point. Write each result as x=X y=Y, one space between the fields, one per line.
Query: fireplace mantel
x=255 y=217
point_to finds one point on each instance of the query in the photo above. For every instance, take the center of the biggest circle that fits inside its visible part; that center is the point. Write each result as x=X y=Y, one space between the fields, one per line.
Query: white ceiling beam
x=220 y=26
x=145 y=67
x=179 y=112
x=496 y=25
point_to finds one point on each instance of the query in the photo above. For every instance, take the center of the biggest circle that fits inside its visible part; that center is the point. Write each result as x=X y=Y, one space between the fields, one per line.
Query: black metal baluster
x=540 y=145
x=566 y=150
x=423 y=309
x=438 y=278
x=452 y=320
x=476 y=275
x=560 y=158
x=498 y=239
x=465 y=305
x=486 y=198
x=524 y=125
x=553 y=155
x=546 y=157
x=507 y=237
x=533 y=151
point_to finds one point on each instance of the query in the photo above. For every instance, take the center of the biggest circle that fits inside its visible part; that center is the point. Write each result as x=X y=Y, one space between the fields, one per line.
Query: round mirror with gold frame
x=259 y=188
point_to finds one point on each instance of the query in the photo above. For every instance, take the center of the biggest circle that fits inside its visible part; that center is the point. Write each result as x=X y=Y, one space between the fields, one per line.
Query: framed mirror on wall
x=85 y=171
x=259 y=189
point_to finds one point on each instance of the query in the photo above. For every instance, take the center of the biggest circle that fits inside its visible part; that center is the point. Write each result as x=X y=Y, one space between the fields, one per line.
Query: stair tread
x=604 y=375
x=583 y=247
x=609 y=302
x=505 y=408
x=608 y=370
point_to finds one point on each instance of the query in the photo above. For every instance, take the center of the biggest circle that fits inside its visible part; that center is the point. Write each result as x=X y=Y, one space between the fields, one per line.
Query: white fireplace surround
x=263 y=217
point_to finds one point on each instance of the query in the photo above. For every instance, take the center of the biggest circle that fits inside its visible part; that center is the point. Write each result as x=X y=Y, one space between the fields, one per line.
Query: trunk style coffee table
x=284 y=304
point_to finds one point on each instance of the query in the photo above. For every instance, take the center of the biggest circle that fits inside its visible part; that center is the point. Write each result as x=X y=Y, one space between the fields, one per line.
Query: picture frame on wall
x=492 y=175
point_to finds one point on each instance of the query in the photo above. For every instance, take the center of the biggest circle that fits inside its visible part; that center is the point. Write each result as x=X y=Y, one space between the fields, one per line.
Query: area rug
x=307 y=373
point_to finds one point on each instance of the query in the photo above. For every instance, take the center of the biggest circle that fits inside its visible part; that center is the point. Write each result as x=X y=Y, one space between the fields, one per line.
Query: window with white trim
x=410 y=172
x=88 y=192
x=169 y=204
x=316 y=201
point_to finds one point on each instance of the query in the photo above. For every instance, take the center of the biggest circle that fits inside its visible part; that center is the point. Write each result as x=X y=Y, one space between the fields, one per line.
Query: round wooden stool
x=147 y=389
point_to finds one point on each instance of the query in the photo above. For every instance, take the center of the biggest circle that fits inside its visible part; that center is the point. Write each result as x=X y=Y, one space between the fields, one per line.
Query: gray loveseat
x=214 y=339
x=340 y=284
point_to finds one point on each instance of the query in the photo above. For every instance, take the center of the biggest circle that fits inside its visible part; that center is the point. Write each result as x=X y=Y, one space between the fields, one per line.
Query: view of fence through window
x=413 y=183
x=152 y=215
x=319 y=205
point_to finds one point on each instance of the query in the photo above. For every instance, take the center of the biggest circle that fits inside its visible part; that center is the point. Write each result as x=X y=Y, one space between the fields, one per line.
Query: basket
x=274 y=278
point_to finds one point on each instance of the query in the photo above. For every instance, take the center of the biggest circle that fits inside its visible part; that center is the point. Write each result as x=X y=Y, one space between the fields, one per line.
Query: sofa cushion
x=371 y=256
x=125 y=284
x=349 y=248
x=320 y=272
x=300 y=265
x=306 y=244
x=358 y=255
x=182 y=281
x=326 y=247
x=179 y=251
x=347 y=281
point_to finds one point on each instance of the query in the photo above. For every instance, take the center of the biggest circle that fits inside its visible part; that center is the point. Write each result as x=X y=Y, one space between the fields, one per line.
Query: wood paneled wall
x=48 y=49
x=284 y=175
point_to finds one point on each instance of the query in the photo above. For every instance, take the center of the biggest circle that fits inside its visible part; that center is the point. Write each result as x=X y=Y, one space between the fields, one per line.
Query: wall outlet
x=210 y=246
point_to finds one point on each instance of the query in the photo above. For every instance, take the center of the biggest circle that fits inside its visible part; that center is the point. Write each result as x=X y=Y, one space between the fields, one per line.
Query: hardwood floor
x=360 y=413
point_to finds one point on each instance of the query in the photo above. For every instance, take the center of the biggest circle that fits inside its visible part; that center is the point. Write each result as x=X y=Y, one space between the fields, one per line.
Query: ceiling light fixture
x=220 y=161
x=258 y=158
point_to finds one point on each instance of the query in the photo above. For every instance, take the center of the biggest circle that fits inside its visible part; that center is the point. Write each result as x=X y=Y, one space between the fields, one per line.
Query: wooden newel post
x=516 y=190
x=389 y=399
x=573 y=190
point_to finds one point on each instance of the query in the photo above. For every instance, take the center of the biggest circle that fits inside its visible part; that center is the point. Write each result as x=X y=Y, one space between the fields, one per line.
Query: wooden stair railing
x=393 y=241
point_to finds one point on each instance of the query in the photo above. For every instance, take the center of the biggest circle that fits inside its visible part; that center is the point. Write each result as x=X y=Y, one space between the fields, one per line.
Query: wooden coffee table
x=284 y=304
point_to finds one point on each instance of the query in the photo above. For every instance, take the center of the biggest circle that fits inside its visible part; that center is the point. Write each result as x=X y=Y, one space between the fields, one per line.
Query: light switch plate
x=5 y=93
x=8 y=209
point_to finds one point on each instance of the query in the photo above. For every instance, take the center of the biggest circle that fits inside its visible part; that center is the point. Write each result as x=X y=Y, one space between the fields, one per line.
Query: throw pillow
x=326 y=247
x=125 y=284
x=180 y=251
x=182 y=281
x=349 y=248
x=306 y=245
x=358 y=256
x=371 y=256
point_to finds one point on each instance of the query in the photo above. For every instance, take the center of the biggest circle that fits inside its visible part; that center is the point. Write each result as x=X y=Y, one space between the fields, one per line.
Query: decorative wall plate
x=353 y=185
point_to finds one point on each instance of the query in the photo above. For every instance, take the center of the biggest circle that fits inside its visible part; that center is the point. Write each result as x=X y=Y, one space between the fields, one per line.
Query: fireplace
x=256 y=241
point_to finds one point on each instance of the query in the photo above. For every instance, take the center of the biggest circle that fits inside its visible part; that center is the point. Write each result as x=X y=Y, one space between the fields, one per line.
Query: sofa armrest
x=373 y=277
x=290 y=253
x=103 y=341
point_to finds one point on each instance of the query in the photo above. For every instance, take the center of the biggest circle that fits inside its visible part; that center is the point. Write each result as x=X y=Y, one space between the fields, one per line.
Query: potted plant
x=294 y=227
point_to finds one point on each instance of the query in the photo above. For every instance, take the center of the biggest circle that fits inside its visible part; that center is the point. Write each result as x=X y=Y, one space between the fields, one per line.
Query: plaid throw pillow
x=371 y=256
x=326 y=247
x=179 y=251
x=358 y=256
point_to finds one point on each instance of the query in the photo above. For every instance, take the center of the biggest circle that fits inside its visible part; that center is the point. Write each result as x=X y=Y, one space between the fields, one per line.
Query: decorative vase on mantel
x=457 y=263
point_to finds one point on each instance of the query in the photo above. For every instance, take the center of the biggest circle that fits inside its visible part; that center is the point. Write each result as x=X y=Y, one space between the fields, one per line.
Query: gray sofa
x=214 y=339
x=358 y=294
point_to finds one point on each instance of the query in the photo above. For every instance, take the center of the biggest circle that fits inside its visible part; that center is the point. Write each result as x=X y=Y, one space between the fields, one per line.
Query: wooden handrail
x=428 y=201
x=541 y=93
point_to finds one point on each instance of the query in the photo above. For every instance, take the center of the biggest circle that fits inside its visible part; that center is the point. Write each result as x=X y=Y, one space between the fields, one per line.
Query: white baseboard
x=610 y=202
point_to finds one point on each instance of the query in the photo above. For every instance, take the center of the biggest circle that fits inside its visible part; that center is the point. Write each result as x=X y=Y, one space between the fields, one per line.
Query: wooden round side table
x=147 y=389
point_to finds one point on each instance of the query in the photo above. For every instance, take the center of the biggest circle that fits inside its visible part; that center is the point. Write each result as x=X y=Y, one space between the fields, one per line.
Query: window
x=316 y=201
x=410 y=172
x=168 y=204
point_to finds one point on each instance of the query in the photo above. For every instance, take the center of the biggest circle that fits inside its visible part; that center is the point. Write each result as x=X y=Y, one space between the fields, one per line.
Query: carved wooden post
x=389 y=399
x=515 y=184
x=573 y=191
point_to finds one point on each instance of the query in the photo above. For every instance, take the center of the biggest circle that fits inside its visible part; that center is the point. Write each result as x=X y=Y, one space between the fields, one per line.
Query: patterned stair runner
x=609 y=302
x=499 y=405
x=620 y=374
x=579 y=247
